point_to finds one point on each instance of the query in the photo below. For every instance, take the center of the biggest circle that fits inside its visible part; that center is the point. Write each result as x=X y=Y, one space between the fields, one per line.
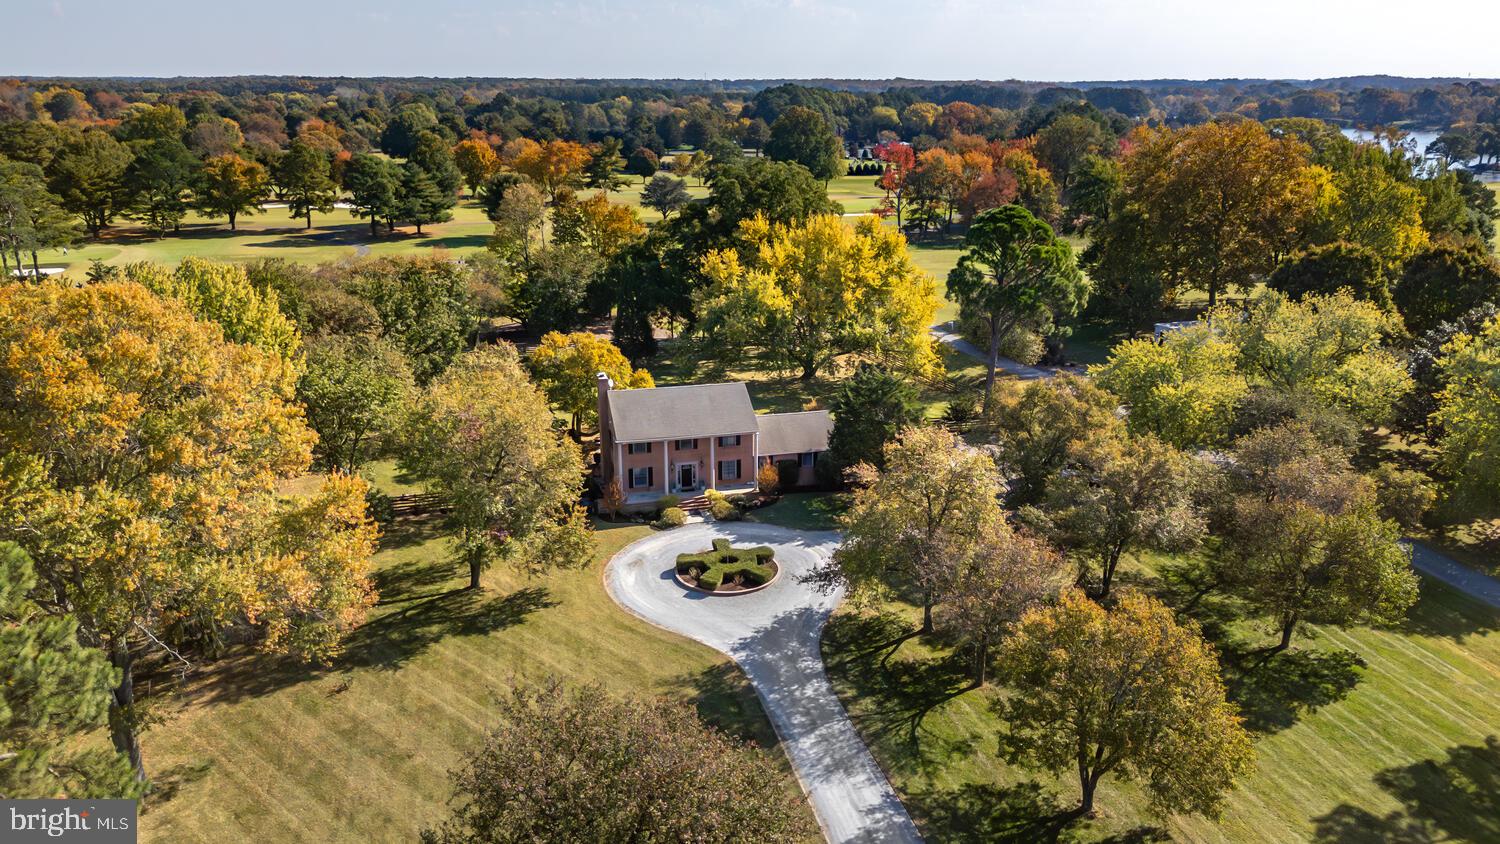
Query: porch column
x=713 y=466
x=666 y=479
x=620 y=468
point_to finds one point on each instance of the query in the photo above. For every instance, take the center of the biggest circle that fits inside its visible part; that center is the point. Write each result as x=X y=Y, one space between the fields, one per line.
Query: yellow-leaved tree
x=815 y=289
x=139 y=452
x=567 y=367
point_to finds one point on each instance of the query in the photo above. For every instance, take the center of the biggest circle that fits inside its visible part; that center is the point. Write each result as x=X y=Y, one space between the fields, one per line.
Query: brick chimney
x=606 y=430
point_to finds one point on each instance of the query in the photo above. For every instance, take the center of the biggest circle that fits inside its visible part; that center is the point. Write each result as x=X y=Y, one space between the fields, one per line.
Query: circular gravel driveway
x=773 y=635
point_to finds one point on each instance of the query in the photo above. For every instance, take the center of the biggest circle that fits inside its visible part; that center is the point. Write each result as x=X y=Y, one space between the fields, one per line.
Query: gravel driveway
x=773 y=634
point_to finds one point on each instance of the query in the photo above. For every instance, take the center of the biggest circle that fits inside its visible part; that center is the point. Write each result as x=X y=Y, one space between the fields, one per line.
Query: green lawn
x=260 y=749
x=803 y=511
x=1362 y=735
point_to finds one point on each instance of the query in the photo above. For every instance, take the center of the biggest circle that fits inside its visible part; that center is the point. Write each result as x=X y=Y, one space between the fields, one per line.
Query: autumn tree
x=518 y=215
x=1037 y=426
x=1124 y=495
x=1468 y=413
x=912 y=522
x=88 y=175
x=900 y=160
x=1183 y=389
x=1331 y=348
x=997 y=579
x=567 y=366
x=817 y=289
x=802 y=136
x=580 y=765
x=55 y=688
x=476 y=160
x=1064 y=143
x=229 y=186
x=555 y=166
x=304 y=176
x=1218 y=203
x=1129 y=692
x=481 y=435
x=356 y=391
x=1317 y=567
x=595 y=223
x=1014 y=271
x=222 y=293
x=155 y=523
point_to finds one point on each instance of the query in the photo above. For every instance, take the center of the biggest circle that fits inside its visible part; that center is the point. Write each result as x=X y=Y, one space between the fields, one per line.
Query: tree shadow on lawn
x=1272 y=691
x=897 y=693
x=387 y=641
x=1445 y=612
x=169 y=783
x=725 y=699
x=1452 y=799
x=1016 y=814
x=405 y=532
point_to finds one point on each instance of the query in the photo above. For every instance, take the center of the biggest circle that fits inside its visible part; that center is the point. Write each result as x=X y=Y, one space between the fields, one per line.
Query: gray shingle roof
x=794 y=433
x=670 y=413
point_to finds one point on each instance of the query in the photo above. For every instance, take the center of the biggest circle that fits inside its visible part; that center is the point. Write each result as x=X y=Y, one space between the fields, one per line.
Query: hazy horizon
x=1072 y=40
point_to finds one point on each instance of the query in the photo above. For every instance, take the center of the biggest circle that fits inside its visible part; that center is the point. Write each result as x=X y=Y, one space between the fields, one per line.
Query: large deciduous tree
x=223 y=294
x=584 y=766
x=1468 y=413
x=913 y=521
x=997 y=579
x=1325 y=270
x=567 y=368
x=1445 y=282
x=1124 y=495
x=482 y=436
x=817 y=289
x=1184 y=389
x=1037 y=427
x=1014 y=272
x=1210 y=207
x=1128 y=692
x=665 y=194
x=423 y=305
x=142 y=452
x=477 y=161
x=356 y=391
x=230 y=186
x=802 y=136
x=555 y=166
x=55 y=689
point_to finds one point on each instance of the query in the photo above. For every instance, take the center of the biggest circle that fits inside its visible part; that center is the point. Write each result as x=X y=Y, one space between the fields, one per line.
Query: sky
x=1053 y=40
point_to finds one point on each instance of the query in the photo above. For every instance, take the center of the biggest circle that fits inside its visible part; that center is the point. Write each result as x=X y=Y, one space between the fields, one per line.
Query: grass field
x=1362 y=735
x=359 y=752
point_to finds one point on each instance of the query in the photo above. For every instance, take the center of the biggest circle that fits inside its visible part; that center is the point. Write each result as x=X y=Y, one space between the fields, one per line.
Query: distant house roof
x=677 y=413
x=794 y=433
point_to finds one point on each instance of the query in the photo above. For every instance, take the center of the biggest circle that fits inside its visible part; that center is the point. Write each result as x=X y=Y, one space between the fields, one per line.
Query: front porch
x=641 y=501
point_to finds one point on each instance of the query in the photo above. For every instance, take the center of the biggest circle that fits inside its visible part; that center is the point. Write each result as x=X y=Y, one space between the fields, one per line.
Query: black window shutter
x=650 y=475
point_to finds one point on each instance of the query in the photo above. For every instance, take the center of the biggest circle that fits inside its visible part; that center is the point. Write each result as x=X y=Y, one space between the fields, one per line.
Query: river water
x=1422 y=137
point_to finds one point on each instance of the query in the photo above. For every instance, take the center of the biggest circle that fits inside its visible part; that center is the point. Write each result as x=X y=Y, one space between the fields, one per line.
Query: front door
x=687 y=476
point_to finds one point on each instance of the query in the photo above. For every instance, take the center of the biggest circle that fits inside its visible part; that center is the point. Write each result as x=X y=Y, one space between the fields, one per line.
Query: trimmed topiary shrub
x=752 y=566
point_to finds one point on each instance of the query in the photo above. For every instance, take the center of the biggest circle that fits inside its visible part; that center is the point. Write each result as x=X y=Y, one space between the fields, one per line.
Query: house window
x=640 y=478
x=729 y=470
x=687 y=445
x=726 y=442
x=640 y=448
x=807 y=458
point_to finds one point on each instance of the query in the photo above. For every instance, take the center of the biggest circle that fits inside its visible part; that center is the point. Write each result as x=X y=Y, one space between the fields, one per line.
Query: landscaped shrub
x=787 y=472
x=767 y=479
x=672 y=517
x=667 y=502
x=713 y=496
x=723 y=510
x=724 y=562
